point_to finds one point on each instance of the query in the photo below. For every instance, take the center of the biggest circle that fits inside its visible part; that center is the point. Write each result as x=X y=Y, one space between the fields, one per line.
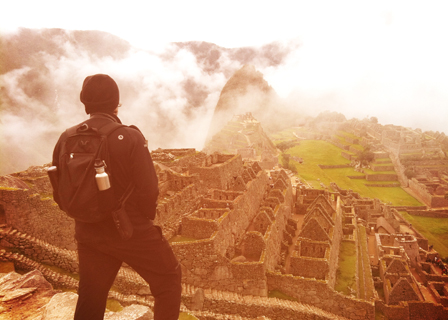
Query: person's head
x=100 y=94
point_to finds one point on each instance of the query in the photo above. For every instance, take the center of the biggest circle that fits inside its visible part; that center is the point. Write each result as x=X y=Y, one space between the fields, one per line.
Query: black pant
x=148 y=253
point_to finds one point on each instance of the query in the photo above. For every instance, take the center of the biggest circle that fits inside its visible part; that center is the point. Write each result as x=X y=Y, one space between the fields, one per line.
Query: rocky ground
x=31 y=297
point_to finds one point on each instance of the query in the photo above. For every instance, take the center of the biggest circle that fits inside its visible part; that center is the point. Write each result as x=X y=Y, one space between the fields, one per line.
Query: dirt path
x=407 y=229
x=372 y=250
x=427 y=296
x=412 y=193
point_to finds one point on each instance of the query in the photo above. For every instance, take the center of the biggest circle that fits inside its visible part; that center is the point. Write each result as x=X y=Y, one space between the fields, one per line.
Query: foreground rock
x=32 y=297
x=22 y=295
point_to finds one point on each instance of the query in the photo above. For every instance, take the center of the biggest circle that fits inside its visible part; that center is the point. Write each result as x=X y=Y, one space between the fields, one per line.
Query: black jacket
x=130 y=161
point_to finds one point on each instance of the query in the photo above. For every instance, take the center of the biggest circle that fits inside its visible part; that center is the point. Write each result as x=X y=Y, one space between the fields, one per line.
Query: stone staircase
x=134 y=290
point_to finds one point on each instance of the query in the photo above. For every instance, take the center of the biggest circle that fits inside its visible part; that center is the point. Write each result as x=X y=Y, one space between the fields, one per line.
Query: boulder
x=61 y=306
x=132 y=312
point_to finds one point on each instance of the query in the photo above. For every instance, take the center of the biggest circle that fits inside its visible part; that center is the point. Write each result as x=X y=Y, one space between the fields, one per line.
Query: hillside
x=169 y=94
x=242 y=135
x=248 y=91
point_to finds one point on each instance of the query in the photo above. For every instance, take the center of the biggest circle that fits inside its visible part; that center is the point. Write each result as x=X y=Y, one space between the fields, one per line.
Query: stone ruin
x=240 y=232
x=244 y=135
x=413 y=151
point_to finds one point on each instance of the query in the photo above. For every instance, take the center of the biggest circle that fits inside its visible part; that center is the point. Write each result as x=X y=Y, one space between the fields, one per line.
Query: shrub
x=366 y=156
x=409 y=173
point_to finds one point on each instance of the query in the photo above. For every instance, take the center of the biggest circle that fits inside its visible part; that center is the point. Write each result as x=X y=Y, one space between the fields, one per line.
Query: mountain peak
x=245 y=91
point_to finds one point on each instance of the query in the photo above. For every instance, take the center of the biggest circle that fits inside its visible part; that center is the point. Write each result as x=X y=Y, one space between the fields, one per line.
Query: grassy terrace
x=364 y=271
x=348 y=134
x=341 y=135
x=369 y=171
x=315 y=152
x=433 y=229
x=285 y=135
x=346 y=274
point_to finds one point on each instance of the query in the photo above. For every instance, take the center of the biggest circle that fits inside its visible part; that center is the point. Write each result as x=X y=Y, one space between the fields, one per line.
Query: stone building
x=231 y=224
x=317 y=247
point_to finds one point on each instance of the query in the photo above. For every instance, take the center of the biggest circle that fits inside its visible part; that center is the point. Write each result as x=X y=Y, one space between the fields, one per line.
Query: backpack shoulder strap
x=72 y=130
x=104 y=130
x=109 y=128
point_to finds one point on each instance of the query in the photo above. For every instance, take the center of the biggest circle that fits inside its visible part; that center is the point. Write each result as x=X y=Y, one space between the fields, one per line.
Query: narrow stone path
x=427 y=296
x=299 y=219
x=372 y=250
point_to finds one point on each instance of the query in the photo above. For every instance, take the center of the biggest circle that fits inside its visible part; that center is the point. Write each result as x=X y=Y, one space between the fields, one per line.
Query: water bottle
x=102 y=178
x=53 y=175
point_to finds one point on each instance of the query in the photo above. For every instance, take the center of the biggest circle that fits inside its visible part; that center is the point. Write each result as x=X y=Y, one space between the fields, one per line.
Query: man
x=101 y=250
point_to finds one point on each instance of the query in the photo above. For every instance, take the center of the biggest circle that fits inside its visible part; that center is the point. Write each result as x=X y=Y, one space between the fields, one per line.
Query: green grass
x=433 y=229
x=369 y=171
x=348 y=134
x=186 y=316
x=319 y=152
x=362 y=293
x=364 y=257
x=113 y=305
x=61 y=271
x=315 y=152
x=9 y=188
x=180 y=238
x=347 y=268
x=284 y=135
x=280 y=295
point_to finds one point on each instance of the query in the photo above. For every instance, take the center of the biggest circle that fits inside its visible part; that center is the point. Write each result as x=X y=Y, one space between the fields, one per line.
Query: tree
x=366 y=156
x=409 y=173
x=285 y=159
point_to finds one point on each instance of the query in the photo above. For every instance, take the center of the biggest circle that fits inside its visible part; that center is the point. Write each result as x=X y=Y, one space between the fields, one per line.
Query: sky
x=386 y=59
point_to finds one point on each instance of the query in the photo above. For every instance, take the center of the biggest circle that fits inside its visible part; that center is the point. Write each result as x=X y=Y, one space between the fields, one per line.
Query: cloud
x=169 y=95
x=371 y=64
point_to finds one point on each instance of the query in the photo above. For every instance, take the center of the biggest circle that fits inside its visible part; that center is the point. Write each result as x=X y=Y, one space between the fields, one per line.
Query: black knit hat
x=100 y=94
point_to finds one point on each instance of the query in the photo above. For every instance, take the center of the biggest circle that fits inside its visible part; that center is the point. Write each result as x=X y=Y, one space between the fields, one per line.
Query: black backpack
x=77 y=191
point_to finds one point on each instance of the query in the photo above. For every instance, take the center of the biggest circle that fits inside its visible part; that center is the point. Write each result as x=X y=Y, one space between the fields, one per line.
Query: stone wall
x=39 y=250
x=428 y=273
x=203 y=267
x=352 y=140
x=127 y=280
x=218 y=174
x=338 y=234
x=391 y=145
x=31 y=214
x=380 y=155
x=173 y=205
x=33 y=211
x=245 y=208
x=178 y=159
x=426 y=310
x=212 y=267
x=423 y=194
x=199 y=228
x=354 y=150
x=319 y=294
x=336 y=166
x=339 y=144
x=232 y=306
x=381 y=177
x=349 y=156
x=431 y=214
x=310 y=267
x=439 y=291
x=382 y=168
